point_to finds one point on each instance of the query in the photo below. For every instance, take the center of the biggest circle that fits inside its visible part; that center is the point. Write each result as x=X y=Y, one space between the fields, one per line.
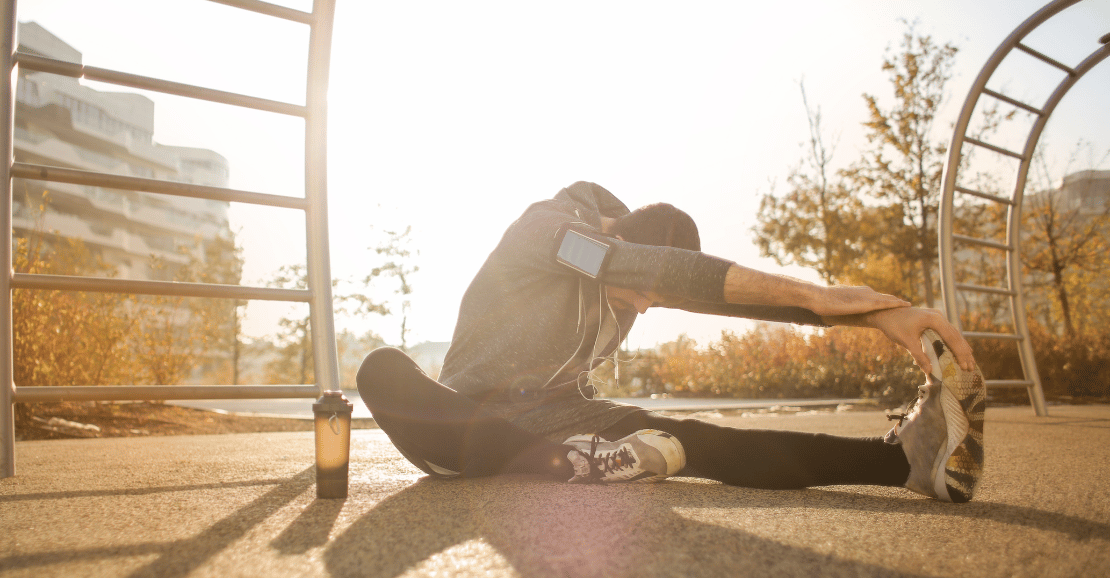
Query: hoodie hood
x=593 y=202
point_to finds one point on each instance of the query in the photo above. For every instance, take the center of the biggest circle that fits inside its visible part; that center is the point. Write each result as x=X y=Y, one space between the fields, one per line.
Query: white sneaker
x=942 y=434
x=645 y=456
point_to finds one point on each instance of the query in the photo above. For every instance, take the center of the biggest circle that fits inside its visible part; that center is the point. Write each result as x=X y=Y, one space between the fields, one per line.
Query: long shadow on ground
x=549 y=529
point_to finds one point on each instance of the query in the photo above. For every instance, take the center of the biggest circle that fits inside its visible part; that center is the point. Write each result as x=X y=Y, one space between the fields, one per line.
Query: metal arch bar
x=988 y=335
x=987 y=196
x=1013 y=225
x=140 y=287
x=1046 y=59
x=994 y=148
x=79 y=177
x=7 y=136
x=268 y=9
x=1009 y=383
x=1017 y=103
x=955 y=152
x=41 y=394
x=322 y=318
x=944 y=231
x=52 y=66
x=983 y=242
x=983 y=289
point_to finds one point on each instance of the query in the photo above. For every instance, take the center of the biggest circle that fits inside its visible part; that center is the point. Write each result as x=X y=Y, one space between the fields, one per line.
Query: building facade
x=59 y=122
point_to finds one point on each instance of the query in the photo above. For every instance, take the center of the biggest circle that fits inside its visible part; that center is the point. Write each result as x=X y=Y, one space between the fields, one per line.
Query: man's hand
x=855 y=306
x=905 y=325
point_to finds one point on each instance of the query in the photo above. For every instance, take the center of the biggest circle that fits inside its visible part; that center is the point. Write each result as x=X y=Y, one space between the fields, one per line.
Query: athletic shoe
x=645 y=456
x=942 y=434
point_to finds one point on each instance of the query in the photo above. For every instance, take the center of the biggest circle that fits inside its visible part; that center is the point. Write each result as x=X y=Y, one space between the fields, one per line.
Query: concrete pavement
x=244 y=505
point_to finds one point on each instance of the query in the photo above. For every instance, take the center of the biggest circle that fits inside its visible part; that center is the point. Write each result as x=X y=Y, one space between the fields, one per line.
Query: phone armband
x=580 y=252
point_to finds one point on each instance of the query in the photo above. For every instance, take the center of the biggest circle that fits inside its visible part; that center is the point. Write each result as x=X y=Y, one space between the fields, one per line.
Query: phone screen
x=582 y=253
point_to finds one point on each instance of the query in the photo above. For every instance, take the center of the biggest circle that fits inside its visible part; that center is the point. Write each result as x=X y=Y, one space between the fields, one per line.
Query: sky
x=452 y=117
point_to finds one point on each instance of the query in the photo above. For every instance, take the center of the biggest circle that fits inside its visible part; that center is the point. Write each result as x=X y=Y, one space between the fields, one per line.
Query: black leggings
x=444 y=432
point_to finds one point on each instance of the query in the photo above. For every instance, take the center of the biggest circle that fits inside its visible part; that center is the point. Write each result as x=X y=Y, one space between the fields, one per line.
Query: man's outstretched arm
x=751 y=287
x=850 y=306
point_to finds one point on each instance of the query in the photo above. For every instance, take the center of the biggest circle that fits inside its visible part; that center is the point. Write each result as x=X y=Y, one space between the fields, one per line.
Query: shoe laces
x=901 y=417
x=607 y=462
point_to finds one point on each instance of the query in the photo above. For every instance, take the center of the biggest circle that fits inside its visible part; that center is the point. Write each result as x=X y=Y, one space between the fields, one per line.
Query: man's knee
x=383 y=365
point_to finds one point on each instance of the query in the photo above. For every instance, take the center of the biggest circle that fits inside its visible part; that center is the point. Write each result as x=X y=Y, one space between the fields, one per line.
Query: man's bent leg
x=774 y=459
x=445 y=433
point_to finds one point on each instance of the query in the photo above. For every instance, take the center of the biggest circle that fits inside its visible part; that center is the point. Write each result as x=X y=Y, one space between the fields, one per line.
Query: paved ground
x=244 y=505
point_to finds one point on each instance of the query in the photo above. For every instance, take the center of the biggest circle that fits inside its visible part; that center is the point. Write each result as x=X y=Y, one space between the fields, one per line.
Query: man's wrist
x=857 y=320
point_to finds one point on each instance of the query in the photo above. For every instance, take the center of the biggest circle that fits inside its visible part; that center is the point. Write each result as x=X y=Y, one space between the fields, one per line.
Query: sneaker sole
x=958 y=469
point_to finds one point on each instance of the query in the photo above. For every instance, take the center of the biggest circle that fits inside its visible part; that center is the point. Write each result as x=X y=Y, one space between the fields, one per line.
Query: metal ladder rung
x=1046 y=59
x=48 y=393
x=1014 y=383
x=140 y=287
x=982 y=242
x=269 y=9
x=982 y=195
x=985 y=289
x=63 y=68
x=994 y=148
x=110 y=181
x=983 y=335
x=1016 y=103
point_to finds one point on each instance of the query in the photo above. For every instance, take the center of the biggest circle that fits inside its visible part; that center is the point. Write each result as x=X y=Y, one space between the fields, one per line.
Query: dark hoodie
x=529 y=324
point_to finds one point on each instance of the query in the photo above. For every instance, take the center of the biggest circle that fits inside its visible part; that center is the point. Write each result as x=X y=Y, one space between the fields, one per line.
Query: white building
x=1086 y=191
x=61 y=123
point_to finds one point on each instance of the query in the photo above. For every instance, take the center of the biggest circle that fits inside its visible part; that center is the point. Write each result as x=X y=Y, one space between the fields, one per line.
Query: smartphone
x=581 y=253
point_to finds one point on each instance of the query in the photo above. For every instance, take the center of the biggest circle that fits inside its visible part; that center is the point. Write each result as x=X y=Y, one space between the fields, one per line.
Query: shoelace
x=609 y=462
x=901 y=417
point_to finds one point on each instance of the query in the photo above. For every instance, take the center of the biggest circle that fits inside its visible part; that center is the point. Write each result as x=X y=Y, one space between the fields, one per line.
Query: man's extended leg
x=445 y=433
x=936 y=449
x=774 y=459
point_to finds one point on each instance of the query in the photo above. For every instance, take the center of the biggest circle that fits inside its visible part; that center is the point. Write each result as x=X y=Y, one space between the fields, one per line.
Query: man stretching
x=557 y=296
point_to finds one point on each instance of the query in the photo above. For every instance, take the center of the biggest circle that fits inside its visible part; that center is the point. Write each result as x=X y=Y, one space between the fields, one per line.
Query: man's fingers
x=921 y=359
x=955 y=341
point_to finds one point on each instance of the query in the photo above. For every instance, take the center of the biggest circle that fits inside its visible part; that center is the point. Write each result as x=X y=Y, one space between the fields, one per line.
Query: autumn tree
x=217 y=260
x=814 y=224
x=1067 y=241
x=294 y=362
x=395 y=252
x=66 y=337
x=904 y=167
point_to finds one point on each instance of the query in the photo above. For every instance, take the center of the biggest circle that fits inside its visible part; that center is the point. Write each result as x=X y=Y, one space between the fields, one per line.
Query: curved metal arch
x=947 y=240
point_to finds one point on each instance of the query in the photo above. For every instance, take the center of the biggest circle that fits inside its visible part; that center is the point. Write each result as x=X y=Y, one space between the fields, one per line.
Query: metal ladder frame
x=947 y=239
x=314 y=204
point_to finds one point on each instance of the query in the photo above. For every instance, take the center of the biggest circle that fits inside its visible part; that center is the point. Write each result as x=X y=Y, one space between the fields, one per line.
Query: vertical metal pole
x=316 y=140
x=1015 y=278
x=7 y=130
